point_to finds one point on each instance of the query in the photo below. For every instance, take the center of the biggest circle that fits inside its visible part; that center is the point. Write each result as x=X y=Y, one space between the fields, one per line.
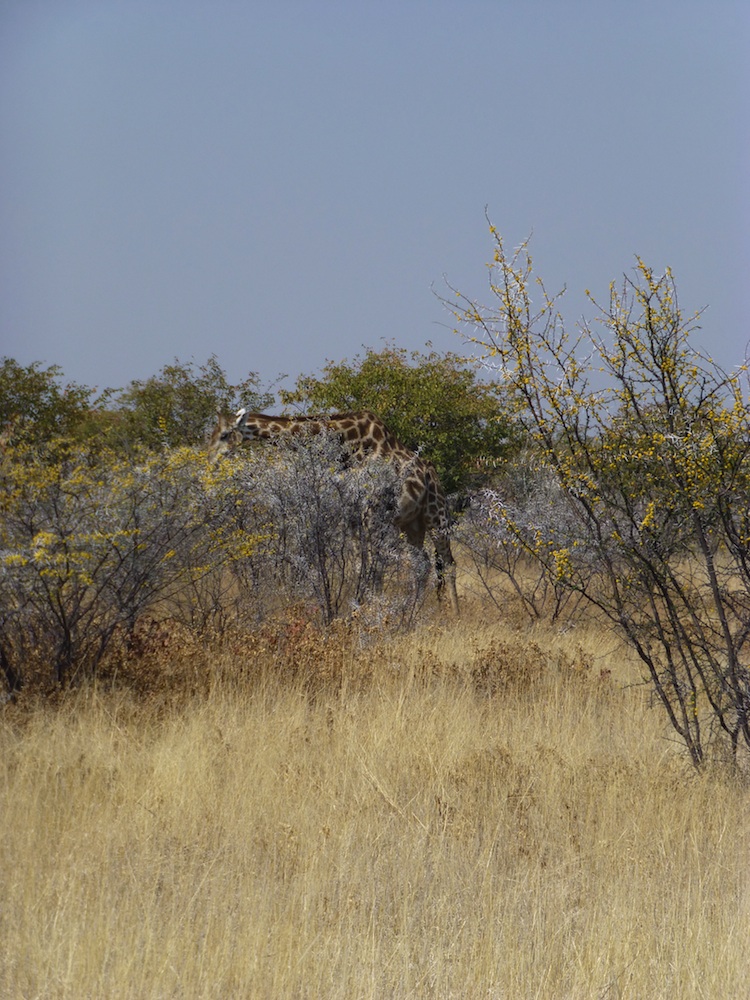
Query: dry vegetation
x=206 y=794
x=475 y=810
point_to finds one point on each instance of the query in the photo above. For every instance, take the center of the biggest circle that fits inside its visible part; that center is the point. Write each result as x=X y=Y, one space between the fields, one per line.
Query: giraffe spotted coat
x=422 y=507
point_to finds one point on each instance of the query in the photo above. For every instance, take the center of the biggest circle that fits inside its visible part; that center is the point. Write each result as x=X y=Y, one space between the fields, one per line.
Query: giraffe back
x=422 y=506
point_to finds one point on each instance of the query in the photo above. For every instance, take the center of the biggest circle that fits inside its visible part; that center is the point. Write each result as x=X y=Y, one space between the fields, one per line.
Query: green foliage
x=651 y=521
x=434 y=403
x=35 y=404
x=175 y=407
x=171 y=409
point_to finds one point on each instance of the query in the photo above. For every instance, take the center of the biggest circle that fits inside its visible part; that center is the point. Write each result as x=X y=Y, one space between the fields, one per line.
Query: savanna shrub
x=88 y=547
x=324 y=525
x=655 y=470
x=526 y=495
x=91 y=543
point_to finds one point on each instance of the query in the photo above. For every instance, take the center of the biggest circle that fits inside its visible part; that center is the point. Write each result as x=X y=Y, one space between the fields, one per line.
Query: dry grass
x=467 y=813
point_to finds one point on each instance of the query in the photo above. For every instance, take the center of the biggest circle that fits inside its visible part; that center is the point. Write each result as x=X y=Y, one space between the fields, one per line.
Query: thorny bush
x=87 y=547
x=655 y=471
x=326 y=529
x=92 y=545
x=525 y=493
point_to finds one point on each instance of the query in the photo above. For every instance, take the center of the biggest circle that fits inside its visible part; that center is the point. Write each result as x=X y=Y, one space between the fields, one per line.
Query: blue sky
x=281 y=183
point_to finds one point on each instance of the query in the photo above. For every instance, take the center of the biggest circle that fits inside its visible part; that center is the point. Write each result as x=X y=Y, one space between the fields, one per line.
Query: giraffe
x=422 y=507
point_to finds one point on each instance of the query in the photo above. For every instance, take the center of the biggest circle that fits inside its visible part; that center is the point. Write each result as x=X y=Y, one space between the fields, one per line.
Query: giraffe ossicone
x=422 y=506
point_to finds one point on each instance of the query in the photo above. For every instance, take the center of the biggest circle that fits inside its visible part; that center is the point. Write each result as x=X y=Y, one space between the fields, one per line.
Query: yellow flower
x=15 y=559
x=649 y=516
x=563 y=564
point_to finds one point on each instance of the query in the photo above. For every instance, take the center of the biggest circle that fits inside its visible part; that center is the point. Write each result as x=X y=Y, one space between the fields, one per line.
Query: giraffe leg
x=452 y=592
x=445 y=568
x=420 y=561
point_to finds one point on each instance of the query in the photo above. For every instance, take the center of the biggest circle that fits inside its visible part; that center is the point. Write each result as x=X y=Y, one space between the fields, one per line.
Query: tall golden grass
x=471 y=811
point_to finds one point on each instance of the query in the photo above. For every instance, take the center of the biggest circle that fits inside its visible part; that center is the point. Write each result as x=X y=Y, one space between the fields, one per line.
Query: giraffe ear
x=238 y=417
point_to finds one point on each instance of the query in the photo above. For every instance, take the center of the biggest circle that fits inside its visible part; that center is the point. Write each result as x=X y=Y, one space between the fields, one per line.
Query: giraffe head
x=226 y=436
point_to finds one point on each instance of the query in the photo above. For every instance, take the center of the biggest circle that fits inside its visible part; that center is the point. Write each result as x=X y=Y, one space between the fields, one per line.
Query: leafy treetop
x=170 y=409
x=434 y=403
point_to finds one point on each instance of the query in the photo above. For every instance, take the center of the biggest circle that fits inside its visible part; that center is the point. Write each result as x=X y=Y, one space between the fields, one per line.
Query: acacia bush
x=175 y=407
x=89 y=546
x=35 y=403
x=525 y=493
x=655 y=471
x=93 y=544
x=325 y=530
x=171 y=409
